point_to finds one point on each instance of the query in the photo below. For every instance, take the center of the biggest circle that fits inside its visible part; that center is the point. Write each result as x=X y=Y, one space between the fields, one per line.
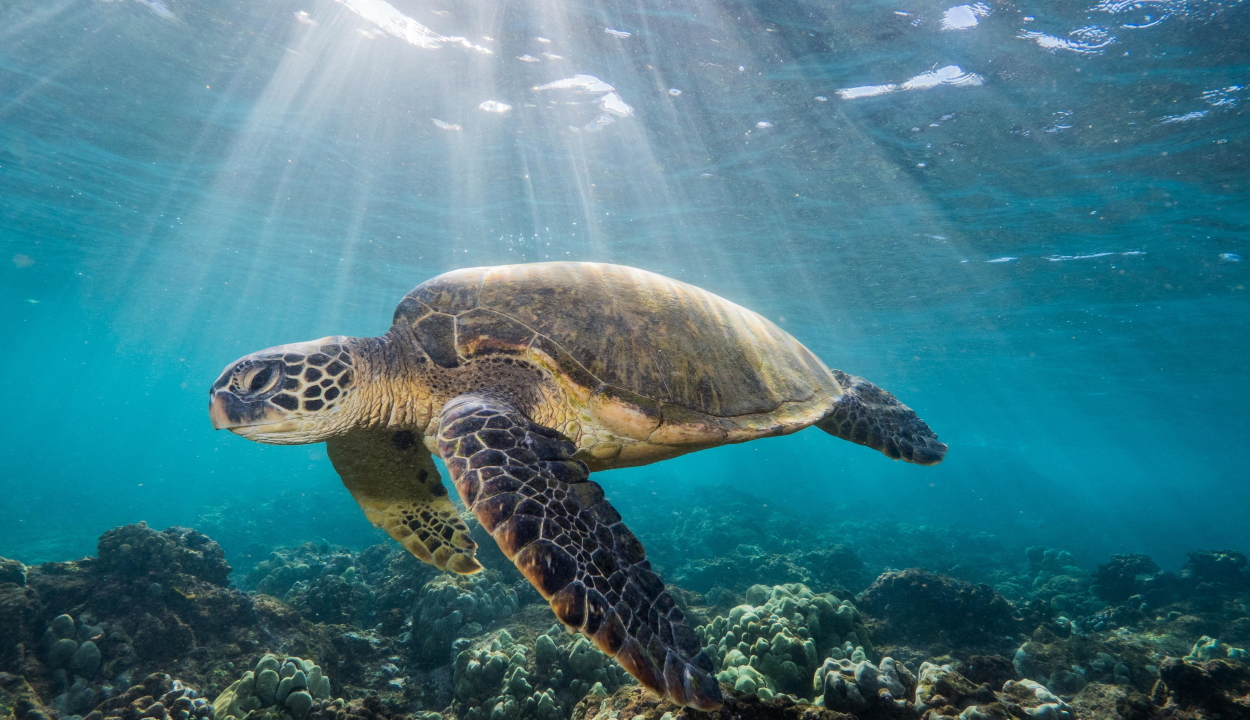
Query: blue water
x=1031 y=225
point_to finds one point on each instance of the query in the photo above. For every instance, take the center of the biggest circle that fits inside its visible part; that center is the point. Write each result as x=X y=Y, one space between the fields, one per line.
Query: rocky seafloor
x=872 y=621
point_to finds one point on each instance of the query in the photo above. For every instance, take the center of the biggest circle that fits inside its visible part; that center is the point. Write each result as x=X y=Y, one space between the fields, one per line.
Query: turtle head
x=289 y=394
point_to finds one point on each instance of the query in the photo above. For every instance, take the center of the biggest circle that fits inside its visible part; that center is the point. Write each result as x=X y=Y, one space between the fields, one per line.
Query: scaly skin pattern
x=518 y=479
x=869 y=416
x=393 y=478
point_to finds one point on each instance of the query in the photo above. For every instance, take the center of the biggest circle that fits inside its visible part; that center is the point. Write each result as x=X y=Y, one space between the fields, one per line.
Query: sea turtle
x=524 y=379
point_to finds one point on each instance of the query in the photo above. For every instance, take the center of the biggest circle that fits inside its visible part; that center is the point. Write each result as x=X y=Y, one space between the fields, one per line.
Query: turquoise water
x=1027 y=221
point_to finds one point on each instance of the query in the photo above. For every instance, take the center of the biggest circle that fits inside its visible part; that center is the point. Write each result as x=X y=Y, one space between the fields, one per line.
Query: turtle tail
x=869 y=416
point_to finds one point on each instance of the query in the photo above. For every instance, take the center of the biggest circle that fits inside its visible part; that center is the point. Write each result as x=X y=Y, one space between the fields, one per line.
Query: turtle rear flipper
x=521 y=482
x=392 y=475
x=869 y=416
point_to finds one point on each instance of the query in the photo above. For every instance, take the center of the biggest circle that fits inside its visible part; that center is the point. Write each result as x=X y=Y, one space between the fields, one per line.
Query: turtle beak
x=228 y=411
x=217 y=412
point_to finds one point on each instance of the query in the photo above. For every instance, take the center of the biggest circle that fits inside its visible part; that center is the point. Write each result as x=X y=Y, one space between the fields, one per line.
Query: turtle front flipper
x=521 y=482
x=869 y=416
x=392 y=475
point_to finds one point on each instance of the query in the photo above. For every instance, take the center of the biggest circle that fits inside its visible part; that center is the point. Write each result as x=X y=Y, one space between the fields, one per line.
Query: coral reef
x=274 y=689
x=1123 y=577
x=917 y=606
x=1227 y=568
x=1204 y=689
x=159 y=697
x=137 y=550
x=72 y=652
x=83 y=632
x=632 y=701
x=334 y=585
x=983 y=632
x=1208 y=648
x=1067 y=664
x=451 y=607
x=322 y=585
x=291 y=513
x=12 y=571
x=867 y=690
x=19 y=610
x=507 y=679
x=775 y=641
x=1040 y=702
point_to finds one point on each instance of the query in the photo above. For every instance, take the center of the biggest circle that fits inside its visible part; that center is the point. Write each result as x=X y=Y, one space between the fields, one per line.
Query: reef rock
x=1228 y=568
x=139 y=551
x=19 y=611
x=1203 y=690
x=917 y=606
x=323 y=585
x=992 y=670
x=744 y=566
x=944 y=694
x=869 y=691
x=160 y=593
x=1122 y=577
x=12 y=571
x=1034 y=699
x=1055 y=585
x=82 y=632
x=724 y=539
x=1066 y=665
x=158 y=697
x=634 y=702
x=1112 y=702
x=366 y=708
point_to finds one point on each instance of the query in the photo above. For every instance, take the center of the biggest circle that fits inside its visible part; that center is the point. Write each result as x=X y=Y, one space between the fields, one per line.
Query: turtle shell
x=652 y=342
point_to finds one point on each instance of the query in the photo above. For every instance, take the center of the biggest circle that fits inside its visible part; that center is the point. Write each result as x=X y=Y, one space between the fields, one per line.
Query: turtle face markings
x=287 y=394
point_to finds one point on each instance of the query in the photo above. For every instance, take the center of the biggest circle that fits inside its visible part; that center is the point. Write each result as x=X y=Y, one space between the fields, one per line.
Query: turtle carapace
x=525 y=379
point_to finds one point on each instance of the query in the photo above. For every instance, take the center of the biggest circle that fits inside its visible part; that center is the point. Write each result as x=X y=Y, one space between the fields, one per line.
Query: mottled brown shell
x=625 y=336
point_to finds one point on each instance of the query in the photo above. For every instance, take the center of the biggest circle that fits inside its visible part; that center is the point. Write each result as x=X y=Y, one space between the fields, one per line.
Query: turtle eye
x=260 y=379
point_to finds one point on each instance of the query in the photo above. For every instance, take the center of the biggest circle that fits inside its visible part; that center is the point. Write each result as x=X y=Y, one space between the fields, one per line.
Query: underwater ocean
x=1028 y=220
